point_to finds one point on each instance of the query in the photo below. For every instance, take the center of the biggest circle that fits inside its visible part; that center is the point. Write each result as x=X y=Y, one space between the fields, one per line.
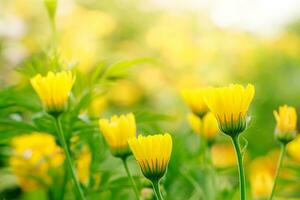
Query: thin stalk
x=279 y=164
x=69 y=159
x=155 y=184
x=131 y=179
x=239 y=155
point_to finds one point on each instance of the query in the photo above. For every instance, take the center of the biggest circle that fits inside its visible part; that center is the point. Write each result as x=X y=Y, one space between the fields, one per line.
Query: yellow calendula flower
x=210 y=126
x=286 y=118
x=195 y=122
x=53 y=90
x=262 y=172
x=230 y=106
x=83 y=164
x=117 y=131
x=293 y=148
x=194 y=98
x=206 y=127
x=223 y=155
x=33 y=155
x=152 y=153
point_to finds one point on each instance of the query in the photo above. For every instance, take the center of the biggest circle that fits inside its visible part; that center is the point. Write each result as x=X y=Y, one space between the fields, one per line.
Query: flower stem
x=130 y=178
x=279 y=164
x=155 y=184
x=235 y=141
x=68 y=159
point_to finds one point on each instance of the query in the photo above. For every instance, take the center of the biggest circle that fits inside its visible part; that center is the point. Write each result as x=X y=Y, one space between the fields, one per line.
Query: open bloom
x=286 y=119
x=33 y=156
x=194 y=98
x=230 y=106
x=152 y=153
x=117 y=131
x=53 y=89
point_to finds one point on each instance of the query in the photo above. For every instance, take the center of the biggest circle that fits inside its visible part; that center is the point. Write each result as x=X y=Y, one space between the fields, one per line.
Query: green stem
x=279 y=164
x=155 y=184
x=69 y=159
x=131 y=179
x=235 y=141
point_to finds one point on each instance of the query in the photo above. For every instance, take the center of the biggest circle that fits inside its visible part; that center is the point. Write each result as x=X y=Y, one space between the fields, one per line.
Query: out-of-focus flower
x=83 y=163
x=286 y=119
x=97 y=106
x=223 y=155
x=179 y=49
x=230 y=106
x=117 y=131
x=33 y=156
x=293 y=148
x=82 y=32
x=195 y=122
x=210 y=126
x=53 y=90
x=261 y=176
x=152 y=153
x=194 y=98
x=206 y=127
x=124 y=93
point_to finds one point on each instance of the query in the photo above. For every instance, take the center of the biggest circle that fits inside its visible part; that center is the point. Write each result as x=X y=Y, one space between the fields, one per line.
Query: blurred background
x=169 y=45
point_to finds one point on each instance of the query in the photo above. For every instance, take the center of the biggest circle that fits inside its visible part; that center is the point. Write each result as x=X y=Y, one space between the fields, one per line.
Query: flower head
x=194 y=98
x=152 y=153
x=293 y=148
x=262 y=171
x=117 y=131
x=286 y=119
x=31 y=161
x=206 y=127
x=53 y=90
x=230 y=106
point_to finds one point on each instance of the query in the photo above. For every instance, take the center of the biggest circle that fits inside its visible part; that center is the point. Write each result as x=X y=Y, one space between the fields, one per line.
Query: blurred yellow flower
x=81 y=37
x=97 y=106
x=207 y=127
x=83 y=163
x=293 y=148
x=286 y=119
x=210 y=126
x=152 y=153
x=223 y=155
x=53 y=90
x=261 y=176
x=33 y=156
x=117 y=131
x=194 y=98
x=124 y=93
x=230 y=106
x=195 y=123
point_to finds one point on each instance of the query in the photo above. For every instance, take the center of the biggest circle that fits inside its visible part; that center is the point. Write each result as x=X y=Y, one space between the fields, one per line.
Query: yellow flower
x=223 y=155
x=230 y=106
x=194 y=98
x=53 y=90
x=117 y=131
x=83 y=163
x=33 y=156
x=152 y=153
x=206 y=127
x=293 y=148
x=195 y=123
x=286 y=119
x=261 y=176
x=210 y=126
